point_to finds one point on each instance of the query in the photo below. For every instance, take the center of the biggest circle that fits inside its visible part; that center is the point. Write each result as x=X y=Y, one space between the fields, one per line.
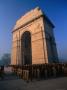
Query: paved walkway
x=12 y=82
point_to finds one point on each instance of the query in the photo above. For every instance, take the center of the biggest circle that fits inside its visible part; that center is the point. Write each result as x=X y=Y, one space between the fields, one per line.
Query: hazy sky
x=12 y=10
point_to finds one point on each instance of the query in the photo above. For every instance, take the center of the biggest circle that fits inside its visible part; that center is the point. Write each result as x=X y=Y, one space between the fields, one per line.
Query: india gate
x=33 y=40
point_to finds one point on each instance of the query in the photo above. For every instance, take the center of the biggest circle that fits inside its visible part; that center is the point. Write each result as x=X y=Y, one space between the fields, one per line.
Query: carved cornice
x=27 y=23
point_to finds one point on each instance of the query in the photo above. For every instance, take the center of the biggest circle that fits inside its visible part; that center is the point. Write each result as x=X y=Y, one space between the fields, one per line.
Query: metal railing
x=40 y=71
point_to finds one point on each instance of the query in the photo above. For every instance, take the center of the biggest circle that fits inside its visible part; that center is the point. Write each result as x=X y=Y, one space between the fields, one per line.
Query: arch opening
x=26 y=48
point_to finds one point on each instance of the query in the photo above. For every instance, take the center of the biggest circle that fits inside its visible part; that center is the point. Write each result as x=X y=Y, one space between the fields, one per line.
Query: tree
x=6 y=59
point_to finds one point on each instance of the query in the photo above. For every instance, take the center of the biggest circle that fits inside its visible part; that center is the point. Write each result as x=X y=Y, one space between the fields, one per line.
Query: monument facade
x=33 y=40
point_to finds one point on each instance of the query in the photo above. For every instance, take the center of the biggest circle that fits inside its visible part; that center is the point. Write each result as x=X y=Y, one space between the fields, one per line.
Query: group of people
x=1 y=72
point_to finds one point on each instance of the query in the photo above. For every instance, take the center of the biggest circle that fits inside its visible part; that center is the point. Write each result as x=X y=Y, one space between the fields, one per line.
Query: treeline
x=5 y=59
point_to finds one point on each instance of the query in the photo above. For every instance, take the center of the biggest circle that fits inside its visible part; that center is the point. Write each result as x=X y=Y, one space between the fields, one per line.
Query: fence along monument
x=33 y=40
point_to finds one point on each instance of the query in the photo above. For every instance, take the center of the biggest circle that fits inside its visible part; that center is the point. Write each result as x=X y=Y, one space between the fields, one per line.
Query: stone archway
x=26 y=48
x=33 y=46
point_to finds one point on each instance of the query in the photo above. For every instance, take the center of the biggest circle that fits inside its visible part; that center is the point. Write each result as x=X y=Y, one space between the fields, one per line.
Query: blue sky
x=12 y=10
